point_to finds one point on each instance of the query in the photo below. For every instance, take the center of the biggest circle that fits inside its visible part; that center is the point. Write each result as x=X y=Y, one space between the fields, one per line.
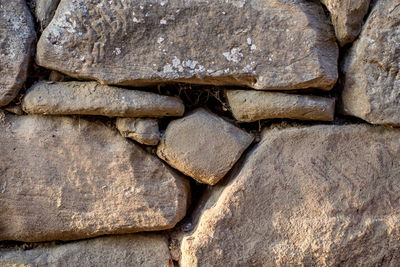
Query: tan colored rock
x=126 y=250
x=90 y=98
x=347 y=17
x=203 y=146
x=17 y=36
x=248 y=106
x=144 y=131
x=64 y=178
x=44 y=11
x=261 y=44
x=372 y=66
x=309 y=196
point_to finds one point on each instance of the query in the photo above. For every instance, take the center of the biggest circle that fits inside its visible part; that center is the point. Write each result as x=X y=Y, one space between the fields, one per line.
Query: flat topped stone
x=91 y=98
x=65 y=179
x=273 y=44
x=17 y=36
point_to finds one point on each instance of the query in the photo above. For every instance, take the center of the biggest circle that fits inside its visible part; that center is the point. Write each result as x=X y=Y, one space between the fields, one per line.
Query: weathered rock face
x=254 y=43
x=44 y=11
x=203 y=146
x=347 y=17
x=91 y=98
x=16 y=41
x=372 y=68
x=128 y=250
x=144 y=131
x=64 y=178
x=248 y=106
x=311 y=196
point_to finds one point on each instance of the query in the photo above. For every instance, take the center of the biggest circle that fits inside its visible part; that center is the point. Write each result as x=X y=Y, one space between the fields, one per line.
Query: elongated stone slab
x=248 y=106
x=90 y=98
x=64 y=178
x=262 y=44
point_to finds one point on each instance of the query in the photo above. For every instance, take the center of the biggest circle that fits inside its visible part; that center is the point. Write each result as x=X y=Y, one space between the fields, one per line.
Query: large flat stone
x=203 y=146
x=17 y=37
x=262 y=44
x=248 y=106
x=372 y=68
x=126 y=250
x=91 y=98
x=64 y=178
x=309 y=196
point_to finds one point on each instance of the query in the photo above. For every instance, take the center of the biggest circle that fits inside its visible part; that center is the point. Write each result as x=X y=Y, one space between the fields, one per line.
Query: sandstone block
x=44 y=11
x=144 y=131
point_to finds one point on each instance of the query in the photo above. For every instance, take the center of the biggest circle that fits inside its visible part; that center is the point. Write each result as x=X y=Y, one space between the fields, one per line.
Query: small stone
x=248 y=106
x=15 y=109
x=144 y=131
x=44 y=11
x=203 y=146
x=56 y=76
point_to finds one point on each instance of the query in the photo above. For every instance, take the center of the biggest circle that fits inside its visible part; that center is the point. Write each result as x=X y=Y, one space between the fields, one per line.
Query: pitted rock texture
x=128 y=250
x=64 y=178
x=248 y=106
x=203 y=146
x=17 y=36
x=144 y=131
x=372 y=68
x=347 y=17
x=273 y=44
x=44 y=11
x=307 y=196
x=91 y=98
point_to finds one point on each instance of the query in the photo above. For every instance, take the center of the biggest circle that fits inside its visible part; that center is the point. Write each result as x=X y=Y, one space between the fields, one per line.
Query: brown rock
x=372 y=66
x=144 y=131
x=17 y=36
x=309 y=196
x=203 y=146
x=65 y=178
x=127 y=250
x=248 y=106
x=262 y=44
x=90 y=98
x=347 y=17
x=45 y=10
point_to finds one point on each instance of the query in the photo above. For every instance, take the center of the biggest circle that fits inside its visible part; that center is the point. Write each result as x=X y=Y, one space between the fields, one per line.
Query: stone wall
x=199 y=133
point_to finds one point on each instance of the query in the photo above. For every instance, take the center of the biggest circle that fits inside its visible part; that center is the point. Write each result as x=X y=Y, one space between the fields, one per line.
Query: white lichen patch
x=163 y=22
x=160 y=40
x=234 y=55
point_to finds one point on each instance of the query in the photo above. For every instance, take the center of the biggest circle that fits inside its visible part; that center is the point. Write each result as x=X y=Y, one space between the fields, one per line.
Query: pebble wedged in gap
x=249 y=106
x=203 y=146
x=144 y=131
x=91 y=98
x=44 y=11
x=64 y=178
x=17 y=36
x=243 y=43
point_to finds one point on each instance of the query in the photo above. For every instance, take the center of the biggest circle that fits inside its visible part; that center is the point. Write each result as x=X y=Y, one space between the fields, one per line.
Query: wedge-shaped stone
x=44 y=11
x=203 y=146
x=272 y=44
x=372 y=68
x=144 y=131
x=64 y=178
x=17 y=36
x=90 y=98
x=248 y=106
x=312 y=196
x=127 y=250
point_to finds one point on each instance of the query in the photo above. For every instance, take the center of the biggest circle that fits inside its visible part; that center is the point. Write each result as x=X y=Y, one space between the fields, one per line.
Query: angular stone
x=45 y=10
x=248 y=106
x=310 y=196
x=91 y=98
x=347 y=17
x=65 y=178
x=144 y=131
x=203 y=146
x=125 y=250
x=17 y=36
x=372 y=68
x=262 y=44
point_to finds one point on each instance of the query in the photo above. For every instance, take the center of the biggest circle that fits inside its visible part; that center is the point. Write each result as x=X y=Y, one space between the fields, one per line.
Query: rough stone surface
x=262 y=44
x=203 y=146
x=372 y=68
x=144 y=131
x=91 y=98
x=128 y=250
x=64 y=178
x=310 y=196
x=347 y=17
x=17 y=36
x=44 y=11
x=248 y=106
